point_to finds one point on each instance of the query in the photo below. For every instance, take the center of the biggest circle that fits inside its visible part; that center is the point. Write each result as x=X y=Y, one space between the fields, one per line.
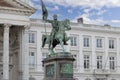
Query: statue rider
x=55 y=28
x=55 y=25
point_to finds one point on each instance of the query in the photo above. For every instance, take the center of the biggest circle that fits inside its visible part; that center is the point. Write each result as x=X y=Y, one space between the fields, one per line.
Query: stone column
x=6 y=52
x=25 y=54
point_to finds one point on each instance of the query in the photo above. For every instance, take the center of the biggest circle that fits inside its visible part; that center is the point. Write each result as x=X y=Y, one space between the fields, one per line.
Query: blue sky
x=97 y=12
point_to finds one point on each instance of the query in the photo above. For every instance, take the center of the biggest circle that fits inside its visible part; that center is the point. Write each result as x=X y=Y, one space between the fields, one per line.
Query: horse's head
x=67 y=24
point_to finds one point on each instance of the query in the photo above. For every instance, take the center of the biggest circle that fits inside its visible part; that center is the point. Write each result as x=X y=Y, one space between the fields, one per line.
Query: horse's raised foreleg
x=62 y=45
x=66 y=37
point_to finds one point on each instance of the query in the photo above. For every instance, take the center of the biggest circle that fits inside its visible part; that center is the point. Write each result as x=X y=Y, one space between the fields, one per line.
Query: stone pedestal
x=58 y=67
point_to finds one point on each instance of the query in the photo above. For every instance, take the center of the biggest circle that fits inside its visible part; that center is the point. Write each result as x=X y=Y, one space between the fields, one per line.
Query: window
x=86 y=42
x=31 y=37
x=87 y=79
x=73 y=41
x=111 y=44
x=101 y=79
x=99 y=43
x=99 y=62
x=112 y=63
x=86 y=61
x=31 y=59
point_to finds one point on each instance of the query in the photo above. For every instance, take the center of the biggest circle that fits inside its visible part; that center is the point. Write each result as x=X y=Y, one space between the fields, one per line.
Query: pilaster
x=25 y=54
x=6 y=52
x=93 y=56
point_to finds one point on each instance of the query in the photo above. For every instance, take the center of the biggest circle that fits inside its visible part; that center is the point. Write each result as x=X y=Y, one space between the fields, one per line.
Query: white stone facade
x=14 y=26
x=96 y=49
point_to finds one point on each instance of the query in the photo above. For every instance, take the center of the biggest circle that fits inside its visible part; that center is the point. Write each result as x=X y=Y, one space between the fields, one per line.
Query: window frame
x=33 y=61
x=32 y=37
x=86 y=61
x=99 y=63
x=87 y=41
x=112 y=43
x=99 y=43
x=112 y=63
x=73 y=41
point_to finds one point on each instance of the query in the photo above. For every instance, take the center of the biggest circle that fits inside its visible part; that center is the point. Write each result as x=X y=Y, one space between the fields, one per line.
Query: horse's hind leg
x=66 y=37
x=62 y=45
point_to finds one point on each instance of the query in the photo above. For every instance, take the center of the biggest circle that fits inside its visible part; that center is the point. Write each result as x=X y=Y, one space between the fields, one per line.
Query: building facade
x=14 y=26
x=95 y=48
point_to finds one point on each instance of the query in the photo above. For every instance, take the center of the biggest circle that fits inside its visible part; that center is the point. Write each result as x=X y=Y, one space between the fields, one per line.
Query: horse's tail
x=43 y=40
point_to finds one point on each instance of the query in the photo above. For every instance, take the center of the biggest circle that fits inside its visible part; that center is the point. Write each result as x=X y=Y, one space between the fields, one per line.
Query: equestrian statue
x=58 y=34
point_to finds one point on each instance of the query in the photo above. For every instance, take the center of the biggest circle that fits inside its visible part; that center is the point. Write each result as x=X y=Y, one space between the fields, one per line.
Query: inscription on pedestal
x=59 y=67
x=50 y=70
x=66 y=70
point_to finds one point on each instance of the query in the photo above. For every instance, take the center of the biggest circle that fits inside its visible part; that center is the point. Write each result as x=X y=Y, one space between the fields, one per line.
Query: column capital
x=27 y=27
x=7 y=25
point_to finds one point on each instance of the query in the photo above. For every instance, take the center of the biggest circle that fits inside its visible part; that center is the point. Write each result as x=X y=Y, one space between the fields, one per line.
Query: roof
x=16 y=5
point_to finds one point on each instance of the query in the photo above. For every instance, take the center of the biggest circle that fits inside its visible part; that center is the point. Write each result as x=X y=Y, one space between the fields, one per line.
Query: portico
x=14 y=26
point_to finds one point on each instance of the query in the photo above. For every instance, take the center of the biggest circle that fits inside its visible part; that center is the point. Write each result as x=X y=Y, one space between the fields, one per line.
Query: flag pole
x=45 y=27
x=45 y=14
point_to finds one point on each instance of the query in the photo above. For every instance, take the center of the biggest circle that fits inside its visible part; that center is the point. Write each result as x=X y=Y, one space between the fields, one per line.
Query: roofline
x=77 y=24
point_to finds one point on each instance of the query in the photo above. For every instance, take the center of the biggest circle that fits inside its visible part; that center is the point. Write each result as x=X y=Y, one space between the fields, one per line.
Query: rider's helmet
x=55 y=17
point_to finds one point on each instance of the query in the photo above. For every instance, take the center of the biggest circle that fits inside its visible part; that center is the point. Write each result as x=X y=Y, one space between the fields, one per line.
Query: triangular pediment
x=16 y=5
x=4 y=3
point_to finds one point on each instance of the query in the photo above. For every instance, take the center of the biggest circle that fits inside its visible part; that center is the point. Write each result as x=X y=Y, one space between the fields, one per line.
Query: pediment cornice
x=16 y=6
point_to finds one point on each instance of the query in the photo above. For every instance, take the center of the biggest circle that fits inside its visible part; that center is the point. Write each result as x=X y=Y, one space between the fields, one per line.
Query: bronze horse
x=60 y=36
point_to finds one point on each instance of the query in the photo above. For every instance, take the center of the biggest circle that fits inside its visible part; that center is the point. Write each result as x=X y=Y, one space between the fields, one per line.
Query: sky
x=98 y=12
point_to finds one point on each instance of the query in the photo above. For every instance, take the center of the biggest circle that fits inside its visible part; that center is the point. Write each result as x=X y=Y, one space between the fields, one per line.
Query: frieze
x=41 y=25
x=16 y=11
x=17 y=6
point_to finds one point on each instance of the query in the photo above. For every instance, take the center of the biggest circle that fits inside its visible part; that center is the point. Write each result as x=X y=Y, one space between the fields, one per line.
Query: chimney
x=106 y=25
x=80 y=20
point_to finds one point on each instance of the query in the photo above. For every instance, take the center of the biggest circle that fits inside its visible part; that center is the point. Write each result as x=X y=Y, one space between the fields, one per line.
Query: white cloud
x=100 y=12
x=70 y=11
x=87 y=20
x=87 y=3
x=56 y=8
x=115 y=21
x=53 y=8
x=87 y=6
x=37 y=6
x=87 y=10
